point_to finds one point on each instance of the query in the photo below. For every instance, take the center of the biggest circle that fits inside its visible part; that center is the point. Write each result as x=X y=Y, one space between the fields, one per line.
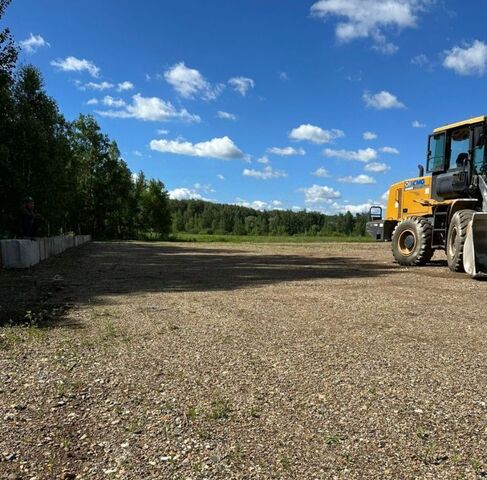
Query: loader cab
x=455 y=154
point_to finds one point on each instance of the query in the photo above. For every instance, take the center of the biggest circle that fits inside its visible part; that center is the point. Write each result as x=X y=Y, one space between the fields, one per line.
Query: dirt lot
x=242 y=361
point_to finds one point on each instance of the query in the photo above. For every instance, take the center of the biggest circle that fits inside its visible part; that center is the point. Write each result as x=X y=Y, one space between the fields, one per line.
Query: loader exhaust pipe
x=420 y=170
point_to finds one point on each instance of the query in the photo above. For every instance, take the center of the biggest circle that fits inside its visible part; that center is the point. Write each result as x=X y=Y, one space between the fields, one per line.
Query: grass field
x=205 y=238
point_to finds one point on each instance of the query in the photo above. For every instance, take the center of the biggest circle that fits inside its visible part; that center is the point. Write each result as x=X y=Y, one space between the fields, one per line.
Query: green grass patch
x=206 y=238
x=220 y=410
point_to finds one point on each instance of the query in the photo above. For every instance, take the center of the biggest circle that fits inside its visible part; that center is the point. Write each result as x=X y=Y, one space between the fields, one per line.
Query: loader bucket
x=475 y=248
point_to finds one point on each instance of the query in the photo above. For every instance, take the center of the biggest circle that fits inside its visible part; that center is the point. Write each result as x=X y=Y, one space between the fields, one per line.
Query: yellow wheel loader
x=444 y=209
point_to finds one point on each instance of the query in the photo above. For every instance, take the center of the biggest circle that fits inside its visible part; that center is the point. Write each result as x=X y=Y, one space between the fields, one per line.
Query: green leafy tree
x=41 y=149
x=8 y=50
x=155 y=212
x=8 y=58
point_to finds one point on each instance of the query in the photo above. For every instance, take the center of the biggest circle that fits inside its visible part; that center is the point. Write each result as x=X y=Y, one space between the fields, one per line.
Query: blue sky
x=263 y=103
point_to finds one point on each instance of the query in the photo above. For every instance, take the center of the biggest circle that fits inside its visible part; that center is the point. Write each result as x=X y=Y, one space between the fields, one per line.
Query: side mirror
x=420 y=170
x=375 y=213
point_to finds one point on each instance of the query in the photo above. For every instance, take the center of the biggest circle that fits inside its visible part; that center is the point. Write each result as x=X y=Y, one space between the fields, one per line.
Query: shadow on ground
x=102 y=269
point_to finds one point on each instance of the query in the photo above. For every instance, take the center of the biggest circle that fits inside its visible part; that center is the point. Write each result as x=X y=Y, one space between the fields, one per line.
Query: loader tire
x=411 y=242
x=457 y=233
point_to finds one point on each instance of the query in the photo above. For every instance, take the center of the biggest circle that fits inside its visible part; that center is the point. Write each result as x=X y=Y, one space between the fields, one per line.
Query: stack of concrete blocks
x=27 y=253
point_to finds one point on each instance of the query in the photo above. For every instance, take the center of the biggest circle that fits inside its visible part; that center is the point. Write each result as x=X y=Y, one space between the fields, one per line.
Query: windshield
x=459 y=145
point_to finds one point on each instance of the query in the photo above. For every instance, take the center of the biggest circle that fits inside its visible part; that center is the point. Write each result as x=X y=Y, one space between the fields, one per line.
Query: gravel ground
x=226 y=361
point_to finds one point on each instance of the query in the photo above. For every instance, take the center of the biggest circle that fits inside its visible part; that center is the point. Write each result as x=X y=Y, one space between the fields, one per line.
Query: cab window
x=436 y=153
x=479 y=149
x=459 y=144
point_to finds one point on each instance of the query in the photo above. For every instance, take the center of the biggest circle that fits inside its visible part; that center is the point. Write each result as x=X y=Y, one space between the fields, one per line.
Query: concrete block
x=43 y=243
x=81 y=239
x=68 y=241
x=26 y=253
x=19 y=253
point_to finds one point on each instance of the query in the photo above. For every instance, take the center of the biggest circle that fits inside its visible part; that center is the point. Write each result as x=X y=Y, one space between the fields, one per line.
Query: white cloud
x=369 y=136
x=33 y=43
x=382 y=101
x=259 y=204
x=468 y=60
x=390 y=150
x=370 y=18
x=360 y=179
x=241 y=84
x=97 y=86
x=418 y=124
x=204 y=187
x=320 y=194
x=256 y=204
x=113 y=102
x=92 y=101
x=221 y=148
x=376 y=167
x=73 y=64
x=286 y=151
x=353 y=209
x=314 y=134
x=267 y=173
x=190 y=83
x=321 y=172
x=283 y=76
x=354 y=77
x=383 y=46
x=124 y=86
x=226 y=115
x=264 y=160
x=421 y=60
x=185 y=194
x=150 y=109
x=220 y=177
x=137 y=153
x=385 y=196
x=361 y=155
x=162 y=131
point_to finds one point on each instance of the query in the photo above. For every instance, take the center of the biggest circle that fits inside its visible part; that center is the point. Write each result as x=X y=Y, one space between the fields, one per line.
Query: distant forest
x=80 y=183
x=196 y=216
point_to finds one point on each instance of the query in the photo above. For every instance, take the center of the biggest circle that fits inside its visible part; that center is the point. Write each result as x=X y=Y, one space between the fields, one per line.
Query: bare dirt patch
x=241 y=361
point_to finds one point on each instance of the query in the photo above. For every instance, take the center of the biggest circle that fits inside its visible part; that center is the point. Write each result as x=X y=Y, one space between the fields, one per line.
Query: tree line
x=81 y=184
x=73 y=170
x=197 y=216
